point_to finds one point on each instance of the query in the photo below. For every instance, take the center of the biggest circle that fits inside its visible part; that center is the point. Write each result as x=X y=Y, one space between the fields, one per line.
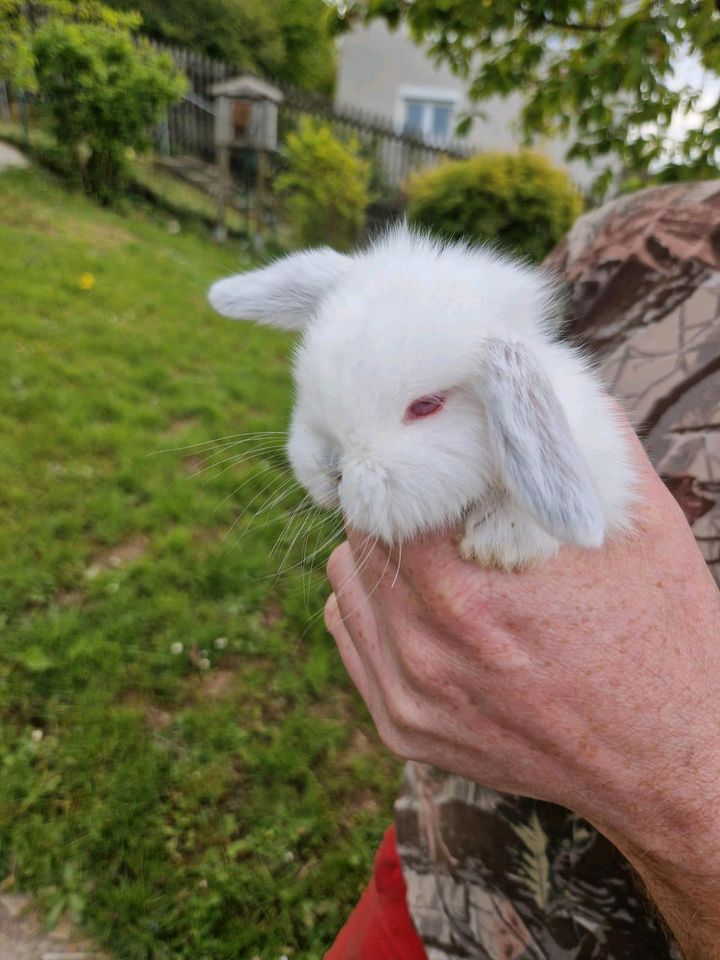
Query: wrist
x=674 y=847
x=687 y=897
x=675 y=826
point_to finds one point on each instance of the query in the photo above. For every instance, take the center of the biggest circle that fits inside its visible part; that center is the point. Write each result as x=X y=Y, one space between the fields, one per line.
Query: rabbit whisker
x=305 y=572
x=367 y=550
x=294 y=514
x=397 y=572
x=247 y=508
x=365 y=555
x=226 y=447
x=377 y=584
x=307 y=520
x=234 y=461
x=337 y=532
x=219 y=440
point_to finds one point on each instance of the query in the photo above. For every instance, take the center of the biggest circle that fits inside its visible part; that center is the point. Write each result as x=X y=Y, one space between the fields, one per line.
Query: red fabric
x=380 y=927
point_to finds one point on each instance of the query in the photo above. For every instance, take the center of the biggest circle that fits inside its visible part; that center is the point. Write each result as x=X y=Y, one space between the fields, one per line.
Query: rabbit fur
x=516 y=443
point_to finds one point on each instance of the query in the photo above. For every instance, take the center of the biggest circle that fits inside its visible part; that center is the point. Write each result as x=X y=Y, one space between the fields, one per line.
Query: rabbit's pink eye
x=424 y=407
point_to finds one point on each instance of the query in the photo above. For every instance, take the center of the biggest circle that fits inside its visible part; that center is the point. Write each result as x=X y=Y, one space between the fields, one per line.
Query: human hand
x=592 y=681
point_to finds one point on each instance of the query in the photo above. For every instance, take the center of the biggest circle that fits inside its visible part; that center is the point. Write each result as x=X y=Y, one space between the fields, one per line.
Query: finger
x=357 y=613
x=340 y=565
x=356 y=563
x=349 y=604
x=344 y=573
x=403 y=577
x=358 y=617
x=346 y=648
x=378 y=565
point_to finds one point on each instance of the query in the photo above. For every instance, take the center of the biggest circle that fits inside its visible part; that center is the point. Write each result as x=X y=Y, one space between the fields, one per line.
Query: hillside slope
x=184 y=765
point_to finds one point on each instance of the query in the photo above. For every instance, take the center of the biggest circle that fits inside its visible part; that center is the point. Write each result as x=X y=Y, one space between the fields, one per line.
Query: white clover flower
x=204 y=663
x=220 y=643
x=176 y=648
x=36 y=736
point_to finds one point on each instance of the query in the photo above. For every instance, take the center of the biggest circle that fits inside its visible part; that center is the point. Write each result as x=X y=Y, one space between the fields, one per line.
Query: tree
x=103 y=91
x=19 y=20
x=602 y=72
x=289 y=40
x=16 y=60
x=310 y=58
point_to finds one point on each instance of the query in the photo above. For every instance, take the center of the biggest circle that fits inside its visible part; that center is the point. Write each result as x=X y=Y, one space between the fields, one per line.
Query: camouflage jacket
x=505 y=878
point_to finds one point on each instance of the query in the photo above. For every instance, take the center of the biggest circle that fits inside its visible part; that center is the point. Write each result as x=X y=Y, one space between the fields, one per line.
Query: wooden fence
x=189 y=125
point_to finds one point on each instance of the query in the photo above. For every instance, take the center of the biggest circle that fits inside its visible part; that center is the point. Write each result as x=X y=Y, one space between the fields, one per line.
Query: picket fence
x=188 y=128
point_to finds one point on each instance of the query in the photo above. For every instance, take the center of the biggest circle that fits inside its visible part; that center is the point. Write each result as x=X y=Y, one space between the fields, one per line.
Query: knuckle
x=331 y=613
x=455 y=600
x=392 y=738
x=401 y=714
x=337 y=563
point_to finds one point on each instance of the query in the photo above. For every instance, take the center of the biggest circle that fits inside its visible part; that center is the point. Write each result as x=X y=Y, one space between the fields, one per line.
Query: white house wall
x=379 y=66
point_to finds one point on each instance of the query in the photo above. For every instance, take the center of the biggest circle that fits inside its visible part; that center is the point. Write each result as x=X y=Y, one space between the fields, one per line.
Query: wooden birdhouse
x=246 y=113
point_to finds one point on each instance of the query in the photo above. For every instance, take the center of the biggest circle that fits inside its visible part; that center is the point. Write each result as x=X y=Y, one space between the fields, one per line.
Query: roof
x=247 y=87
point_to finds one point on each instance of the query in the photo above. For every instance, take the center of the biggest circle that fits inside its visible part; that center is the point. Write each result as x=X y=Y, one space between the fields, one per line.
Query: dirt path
x=10 y=157
x=23 y=938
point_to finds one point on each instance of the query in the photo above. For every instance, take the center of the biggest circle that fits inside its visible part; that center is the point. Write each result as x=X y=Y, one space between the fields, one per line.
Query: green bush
x=103 y=92
x=325 y=189
x=290 y=40
x=519 y=200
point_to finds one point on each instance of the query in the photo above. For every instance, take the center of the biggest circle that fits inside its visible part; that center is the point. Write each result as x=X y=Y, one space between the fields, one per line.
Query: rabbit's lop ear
x=285 y=294
x=540 y=462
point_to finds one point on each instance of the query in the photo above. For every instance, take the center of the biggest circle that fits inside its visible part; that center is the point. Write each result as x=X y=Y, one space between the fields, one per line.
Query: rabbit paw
x=505 y=537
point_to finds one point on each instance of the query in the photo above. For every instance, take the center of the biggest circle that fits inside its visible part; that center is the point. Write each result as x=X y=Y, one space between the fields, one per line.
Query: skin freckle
x=587 y=748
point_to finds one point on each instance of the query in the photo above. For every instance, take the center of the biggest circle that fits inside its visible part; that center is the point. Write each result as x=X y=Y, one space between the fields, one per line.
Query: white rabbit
x=432 y=393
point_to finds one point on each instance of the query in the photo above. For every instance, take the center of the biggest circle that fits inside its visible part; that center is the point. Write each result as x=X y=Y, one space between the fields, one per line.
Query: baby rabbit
x=432 y=393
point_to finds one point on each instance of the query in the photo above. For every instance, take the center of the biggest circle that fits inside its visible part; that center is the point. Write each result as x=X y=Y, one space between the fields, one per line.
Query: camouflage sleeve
x=506 y=878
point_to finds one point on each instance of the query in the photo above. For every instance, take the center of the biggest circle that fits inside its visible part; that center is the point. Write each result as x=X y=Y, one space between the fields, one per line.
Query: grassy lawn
x=223 y=801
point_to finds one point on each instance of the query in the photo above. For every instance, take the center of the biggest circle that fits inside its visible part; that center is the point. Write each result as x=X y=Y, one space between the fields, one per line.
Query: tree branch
x=582 y=26
x=579 y=27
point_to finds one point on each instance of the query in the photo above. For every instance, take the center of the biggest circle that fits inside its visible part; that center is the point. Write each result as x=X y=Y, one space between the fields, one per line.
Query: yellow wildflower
x=87 y=281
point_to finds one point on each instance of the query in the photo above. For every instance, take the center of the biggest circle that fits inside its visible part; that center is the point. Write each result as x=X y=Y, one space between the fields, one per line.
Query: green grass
x=176 y=194
x=179 y=810
x=148 y=181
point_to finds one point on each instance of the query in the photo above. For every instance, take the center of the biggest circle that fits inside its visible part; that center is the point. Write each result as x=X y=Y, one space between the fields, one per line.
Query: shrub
x=520 y=200
x=325 y=188
x=103 y=93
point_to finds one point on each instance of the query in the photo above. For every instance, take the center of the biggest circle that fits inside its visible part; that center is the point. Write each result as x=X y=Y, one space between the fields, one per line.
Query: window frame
x=429 y=97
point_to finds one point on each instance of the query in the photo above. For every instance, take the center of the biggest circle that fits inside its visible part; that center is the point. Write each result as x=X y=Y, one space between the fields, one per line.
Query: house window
x=428 y=118
x=427 y=113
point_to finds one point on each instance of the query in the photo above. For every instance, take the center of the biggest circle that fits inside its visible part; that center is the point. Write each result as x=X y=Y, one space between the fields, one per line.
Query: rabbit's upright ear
x=540 y=462
x=285 y=294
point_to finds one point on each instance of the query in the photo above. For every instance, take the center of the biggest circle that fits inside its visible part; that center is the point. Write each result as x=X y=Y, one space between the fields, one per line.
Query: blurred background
x=185 y=770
